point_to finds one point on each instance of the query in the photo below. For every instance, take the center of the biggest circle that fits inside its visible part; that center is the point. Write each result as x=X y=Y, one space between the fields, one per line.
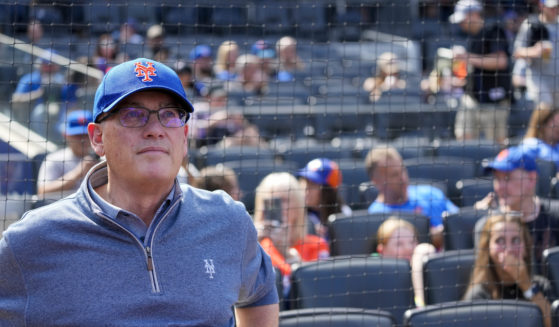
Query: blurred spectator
x=106 y=53
x=321 y=179
x=485 y=105
x=515 y=177
x=218 y=177
x=187 y=80
x=387 y=172
x=387 y=77
x=289 y=61
x=265 y=51
x=36 y=90
x=202 y=68
x=250 y=76
x=155 y=40
x=502 y=269
x=537 y=44
x=397 y=238
x=129 y=41
x=248 y=135
x=542 y=136
x=227 y=55
x=281 y=222
x=33 y=36
x=63 y=170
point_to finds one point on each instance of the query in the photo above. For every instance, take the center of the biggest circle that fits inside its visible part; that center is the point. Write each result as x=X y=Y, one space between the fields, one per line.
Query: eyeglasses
x=138 y=117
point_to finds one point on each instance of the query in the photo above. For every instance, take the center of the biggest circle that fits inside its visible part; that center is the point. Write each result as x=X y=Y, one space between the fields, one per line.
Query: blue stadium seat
x=358 y=282
x=472 y=190
x=490 y=313
x=446 y=275
x=356 y=234
x=336 y=317
x=459 y=228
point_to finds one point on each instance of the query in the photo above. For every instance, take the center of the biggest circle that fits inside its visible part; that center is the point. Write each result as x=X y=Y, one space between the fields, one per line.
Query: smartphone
x=273 y=211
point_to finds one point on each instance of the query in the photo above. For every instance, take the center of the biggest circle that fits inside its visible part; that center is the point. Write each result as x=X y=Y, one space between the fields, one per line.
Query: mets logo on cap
x=145 y=71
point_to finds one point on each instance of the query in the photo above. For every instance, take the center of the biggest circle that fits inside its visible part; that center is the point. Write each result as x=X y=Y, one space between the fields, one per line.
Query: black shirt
x=487 y=86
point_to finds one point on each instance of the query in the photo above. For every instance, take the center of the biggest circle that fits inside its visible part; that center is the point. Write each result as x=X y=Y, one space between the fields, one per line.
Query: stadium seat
x=459 y=228
x=307 y=149
x=251 y=172
x=546 y=178
x=356 y=234
x=477 y=150
x=359 y=282
x=551 y=263
x=472 y=190
x=336 y=317
x=447 y=169
x=446 y=275
x=310 y=20
x=213 y=155
x=270 y=17
x=555 y=313
x=490 y=313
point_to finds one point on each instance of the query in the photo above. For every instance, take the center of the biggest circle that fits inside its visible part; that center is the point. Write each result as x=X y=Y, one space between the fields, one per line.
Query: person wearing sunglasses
x=133 y=246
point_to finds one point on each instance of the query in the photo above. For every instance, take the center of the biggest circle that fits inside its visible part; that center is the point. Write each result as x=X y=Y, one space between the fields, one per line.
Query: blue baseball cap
x=322 y=171
x=263 y=49
x=512 y=158
x=134 y=76
x=76 y=122
x=200 y=51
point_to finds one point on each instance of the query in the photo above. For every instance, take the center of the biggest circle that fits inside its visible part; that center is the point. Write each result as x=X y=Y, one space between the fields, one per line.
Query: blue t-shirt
x=423 y=199
x=29 y=82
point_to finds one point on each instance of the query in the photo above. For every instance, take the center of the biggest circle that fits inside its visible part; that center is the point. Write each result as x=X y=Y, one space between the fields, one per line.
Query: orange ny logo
x=145 y=72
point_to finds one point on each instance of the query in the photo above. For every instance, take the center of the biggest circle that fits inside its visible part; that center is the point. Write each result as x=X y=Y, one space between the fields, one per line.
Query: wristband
x=529 y=293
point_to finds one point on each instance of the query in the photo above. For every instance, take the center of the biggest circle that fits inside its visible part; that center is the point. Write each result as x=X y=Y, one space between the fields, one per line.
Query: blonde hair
x=284 y=185
x=541 y=115
x=378 y=156
x=389 y=226
x=222 y=57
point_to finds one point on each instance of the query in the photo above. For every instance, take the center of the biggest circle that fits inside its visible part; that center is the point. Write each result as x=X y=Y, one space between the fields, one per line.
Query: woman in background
x=321 y=179
x=281 y=221
x=542 y=136
x=224 y=67
x=502 y=268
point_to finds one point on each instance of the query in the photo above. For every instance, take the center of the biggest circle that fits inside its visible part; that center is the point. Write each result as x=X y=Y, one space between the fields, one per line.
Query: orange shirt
x=311 y=248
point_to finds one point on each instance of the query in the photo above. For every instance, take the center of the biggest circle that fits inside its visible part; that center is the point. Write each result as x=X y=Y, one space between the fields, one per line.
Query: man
x=132 y=247
x=62 y=171
x=515 y=179
x=485 y=104
x=389 y=175
x=536 y=43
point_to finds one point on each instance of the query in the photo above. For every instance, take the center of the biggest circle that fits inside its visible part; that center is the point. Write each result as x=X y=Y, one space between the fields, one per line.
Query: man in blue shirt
x=389 y=175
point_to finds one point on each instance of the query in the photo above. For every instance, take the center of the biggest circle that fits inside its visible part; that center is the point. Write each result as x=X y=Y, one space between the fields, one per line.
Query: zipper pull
x=150 y=258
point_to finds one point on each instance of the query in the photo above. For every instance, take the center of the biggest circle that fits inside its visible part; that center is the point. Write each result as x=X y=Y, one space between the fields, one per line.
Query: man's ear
x=95 y=132
x=380 y=248
x=185 y=139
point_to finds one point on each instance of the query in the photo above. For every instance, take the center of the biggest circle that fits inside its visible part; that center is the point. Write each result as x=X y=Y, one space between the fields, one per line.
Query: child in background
x=397 y=238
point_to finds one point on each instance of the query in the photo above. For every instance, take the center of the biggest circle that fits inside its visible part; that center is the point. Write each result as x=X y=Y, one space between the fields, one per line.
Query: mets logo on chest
x=145 y=71
x=210 y=268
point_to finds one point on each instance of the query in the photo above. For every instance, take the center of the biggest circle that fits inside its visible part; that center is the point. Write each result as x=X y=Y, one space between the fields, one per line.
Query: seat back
x=336 y=317
x=489 y=313
x=551 y=264
x=356 y=234
x=555 y=313
x=360 y=282
x=447 y=169
x=472 y=190
x=459 y=228
x=446 y=275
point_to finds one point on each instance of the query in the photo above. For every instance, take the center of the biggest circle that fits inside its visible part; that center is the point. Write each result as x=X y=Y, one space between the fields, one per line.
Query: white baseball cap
x=550 y=3
x=463 y=8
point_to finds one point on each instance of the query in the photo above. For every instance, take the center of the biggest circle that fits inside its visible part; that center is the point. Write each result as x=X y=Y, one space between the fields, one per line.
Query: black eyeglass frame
x=150 y=112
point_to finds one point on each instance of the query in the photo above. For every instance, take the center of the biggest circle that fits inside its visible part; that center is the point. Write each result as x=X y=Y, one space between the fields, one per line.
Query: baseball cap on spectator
x=200 y=51
x=134 y=76
x=322 y=171
x=263 y=49
x=462 y=9
x=550 y=3
x=76 y=122
x=512 y=158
